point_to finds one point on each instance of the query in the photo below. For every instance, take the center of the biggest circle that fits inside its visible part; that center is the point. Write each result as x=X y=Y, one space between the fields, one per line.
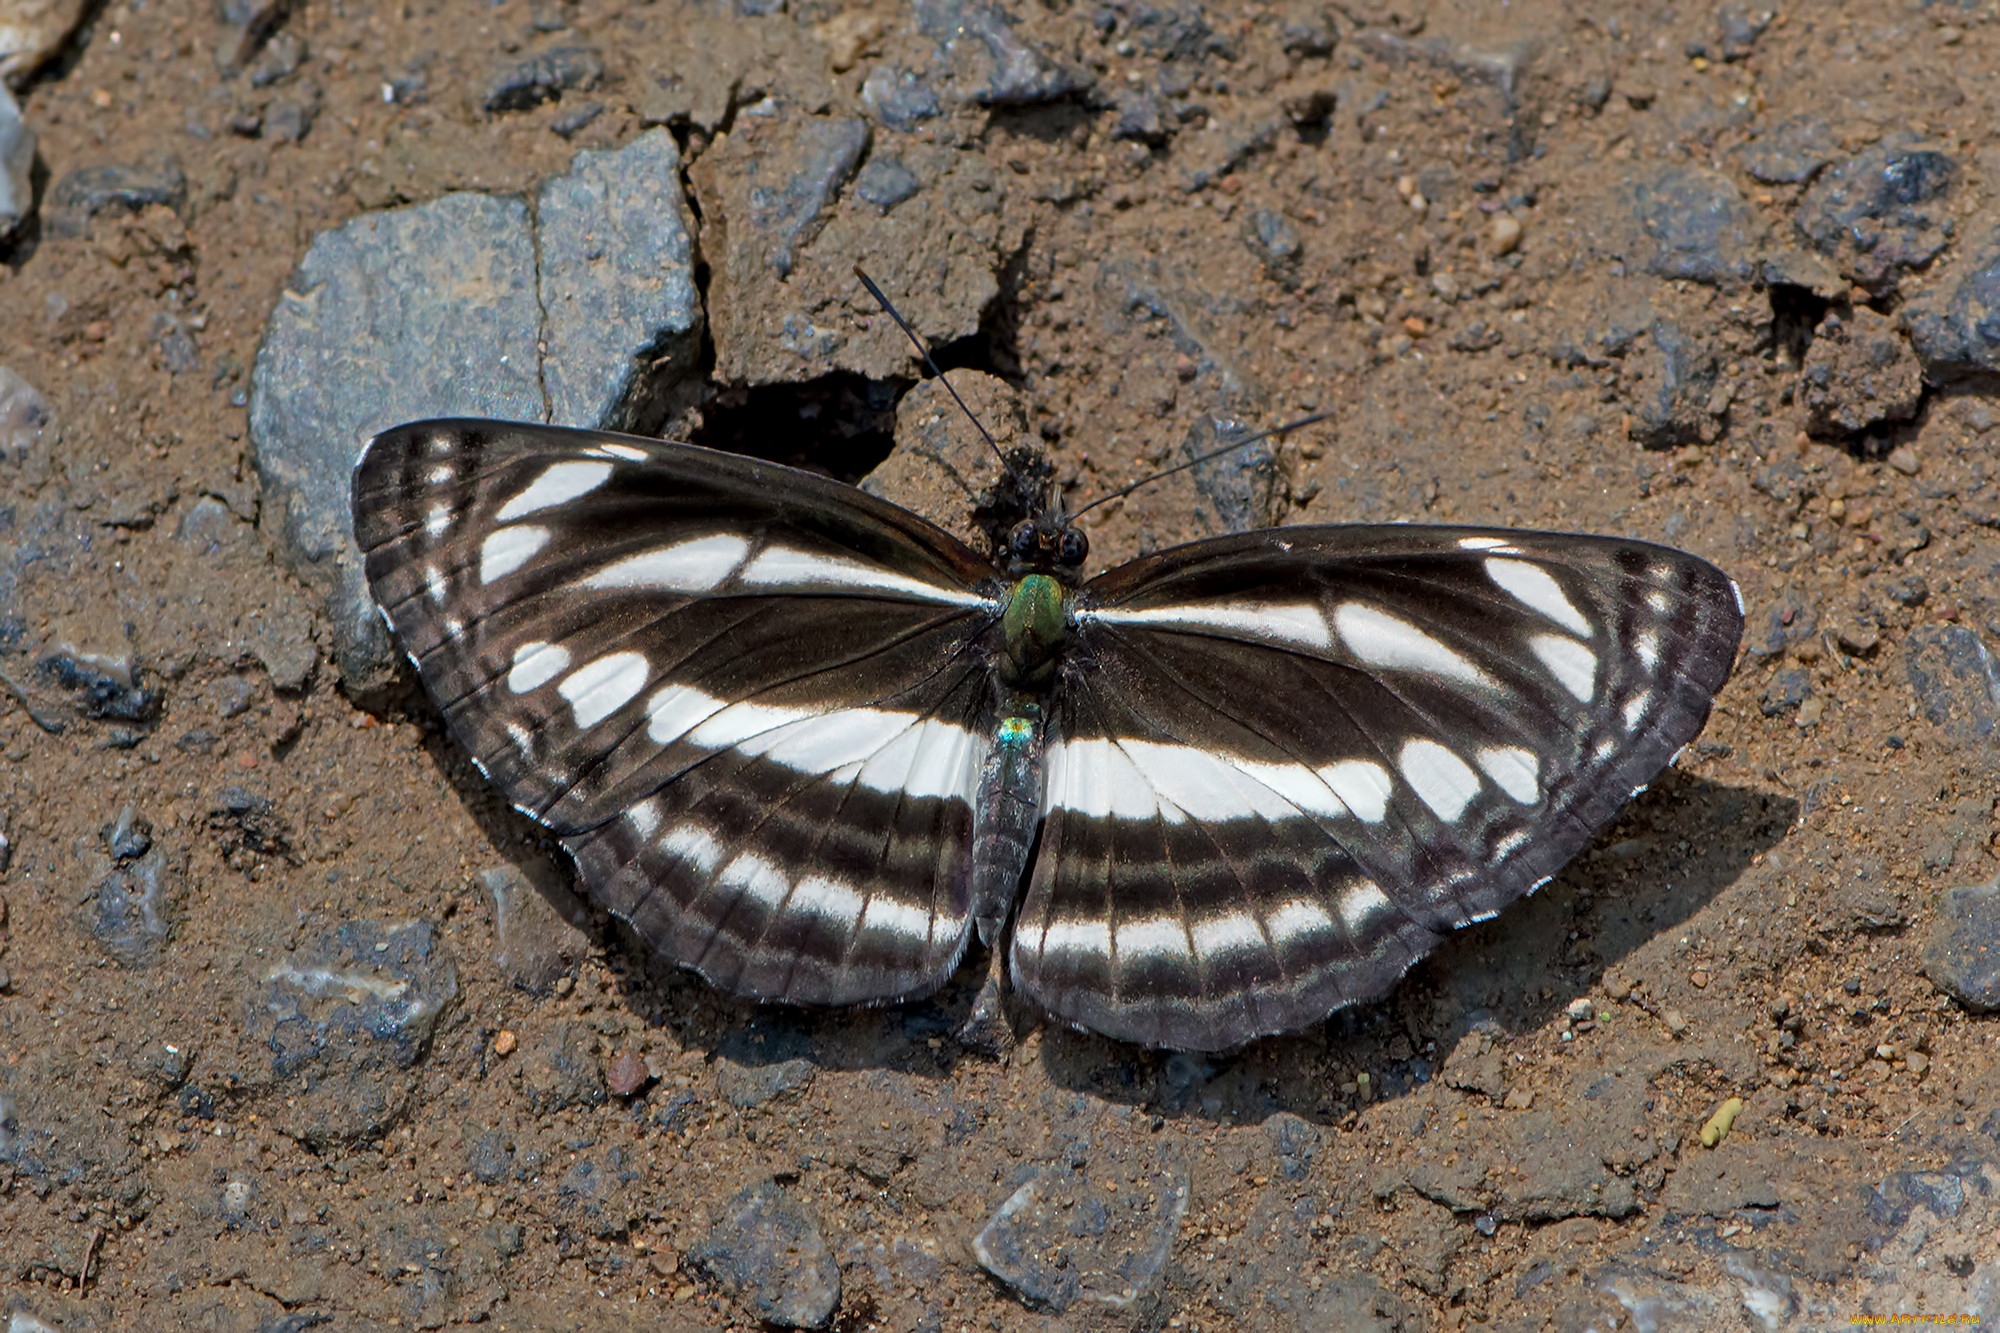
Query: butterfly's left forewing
x=753 y=703
x=1284 y=763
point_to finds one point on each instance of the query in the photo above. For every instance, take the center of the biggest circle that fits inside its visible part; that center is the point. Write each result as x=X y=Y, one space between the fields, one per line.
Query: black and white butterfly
x=807 y=743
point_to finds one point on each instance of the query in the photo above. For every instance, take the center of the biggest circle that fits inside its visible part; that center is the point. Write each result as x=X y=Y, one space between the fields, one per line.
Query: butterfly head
x=1047 y=544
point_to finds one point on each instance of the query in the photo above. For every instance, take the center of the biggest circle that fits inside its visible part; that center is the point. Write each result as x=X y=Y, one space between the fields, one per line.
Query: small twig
x=89 y=1254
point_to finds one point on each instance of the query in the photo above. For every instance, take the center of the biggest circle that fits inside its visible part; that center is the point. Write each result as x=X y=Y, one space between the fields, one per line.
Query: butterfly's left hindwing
x=752 y=702
x=1285 y=762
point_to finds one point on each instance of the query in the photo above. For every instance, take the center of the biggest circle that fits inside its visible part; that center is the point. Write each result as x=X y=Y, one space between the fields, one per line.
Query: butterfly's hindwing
x=756 y=715
x=1287 y=761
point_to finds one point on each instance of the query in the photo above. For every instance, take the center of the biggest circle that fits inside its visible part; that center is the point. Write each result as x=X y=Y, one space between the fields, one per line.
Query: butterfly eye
x=1072 y=547
x=1024 y=541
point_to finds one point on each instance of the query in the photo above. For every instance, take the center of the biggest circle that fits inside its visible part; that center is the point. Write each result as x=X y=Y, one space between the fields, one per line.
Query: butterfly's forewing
x=752 y=702
x=1285 y=762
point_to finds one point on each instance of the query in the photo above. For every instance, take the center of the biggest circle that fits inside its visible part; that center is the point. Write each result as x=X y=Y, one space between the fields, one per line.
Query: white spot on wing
x=1573 y=665
x=1295 y=919
x=599 y=688
x=535 y=665
x=1092 y=937
x=1381 y=640
x=1485 y=544
x=758 y=878
x=623 y=452
x=1441 y=780
x=828 y=899
x=644 y=817
x=1647 y=649
x=438 y=520
x=677 y=710
x=788 y=570
x=507 y=550
x=898 y=918
x=1362 y=785
x=1535 y=588
x=1225 y=934
x=1513 y=770
x=1362 y=902
x=1659 y=601
x=1635 y=709
x=695 y=845
x=690 y=566
x=560 y=484
x=1156 y=935
x=439 y=474
x=1296 y=623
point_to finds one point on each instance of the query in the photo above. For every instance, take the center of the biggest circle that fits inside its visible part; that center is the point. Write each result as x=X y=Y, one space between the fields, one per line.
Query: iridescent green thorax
x=1034 y=628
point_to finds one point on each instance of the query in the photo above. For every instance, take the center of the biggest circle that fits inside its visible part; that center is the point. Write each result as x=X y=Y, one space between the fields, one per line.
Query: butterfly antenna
x=1274 y=433
x=924 y=351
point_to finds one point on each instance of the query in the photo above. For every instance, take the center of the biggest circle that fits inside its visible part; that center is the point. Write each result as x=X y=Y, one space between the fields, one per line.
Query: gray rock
x=768 y=1253
x=1790 y=152
x=1882 y=211
x=248 y=829
x=127 y=836
x=1788 y=689
x=1238 y=491
x=1693 y=224
x=1955 y=325
x=419 y=312
x=617 y=286
x=574 y=121
x=488 y=1157
x=134 y=905
x=278 y=61
x=1962 y=956
x=1224 y=144
x=344 y=1020
x=543 y=77
x=290 y=119
x=899 y=99
x=1859 y=372
x=1675 y=390
x=1140 y=119
x=105 y=687
x=1275 y=241
x=763 y=1063
x=17 y=160
x=532 y=942
x=559 y=1070
x=990 y=63
x=886 y=182
x=1061 y=1238
x=90 y=192
x=27 y=426
x=1955 y=679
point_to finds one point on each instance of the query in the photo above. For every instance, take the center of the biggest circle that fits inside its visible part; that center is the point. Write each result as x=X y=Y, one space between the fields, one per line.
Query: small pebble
x=1904 y=460
x=1676 y=1023
x=1503 y=233
x=1719 y=1123
x=1519 y=1099
x=1698 y=978
x=1580 y=1010
x=6 y=982
x=504 y=1043
x=627 y=1074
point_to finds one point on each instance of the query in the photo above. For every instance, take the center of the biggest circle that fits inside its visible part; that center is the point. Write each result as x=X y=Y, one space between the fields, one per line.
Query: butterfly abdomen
x=1006 y=812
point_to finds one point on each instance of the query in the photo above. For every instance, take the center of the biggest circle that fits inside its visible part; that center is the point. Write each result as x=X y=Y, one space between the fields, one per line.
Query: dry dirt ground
x=1621 y=268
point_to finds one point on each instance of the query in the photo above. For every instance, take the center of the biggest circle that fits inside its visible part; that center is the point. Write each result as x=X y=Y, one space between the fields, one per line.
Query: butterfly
x=808 y=744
